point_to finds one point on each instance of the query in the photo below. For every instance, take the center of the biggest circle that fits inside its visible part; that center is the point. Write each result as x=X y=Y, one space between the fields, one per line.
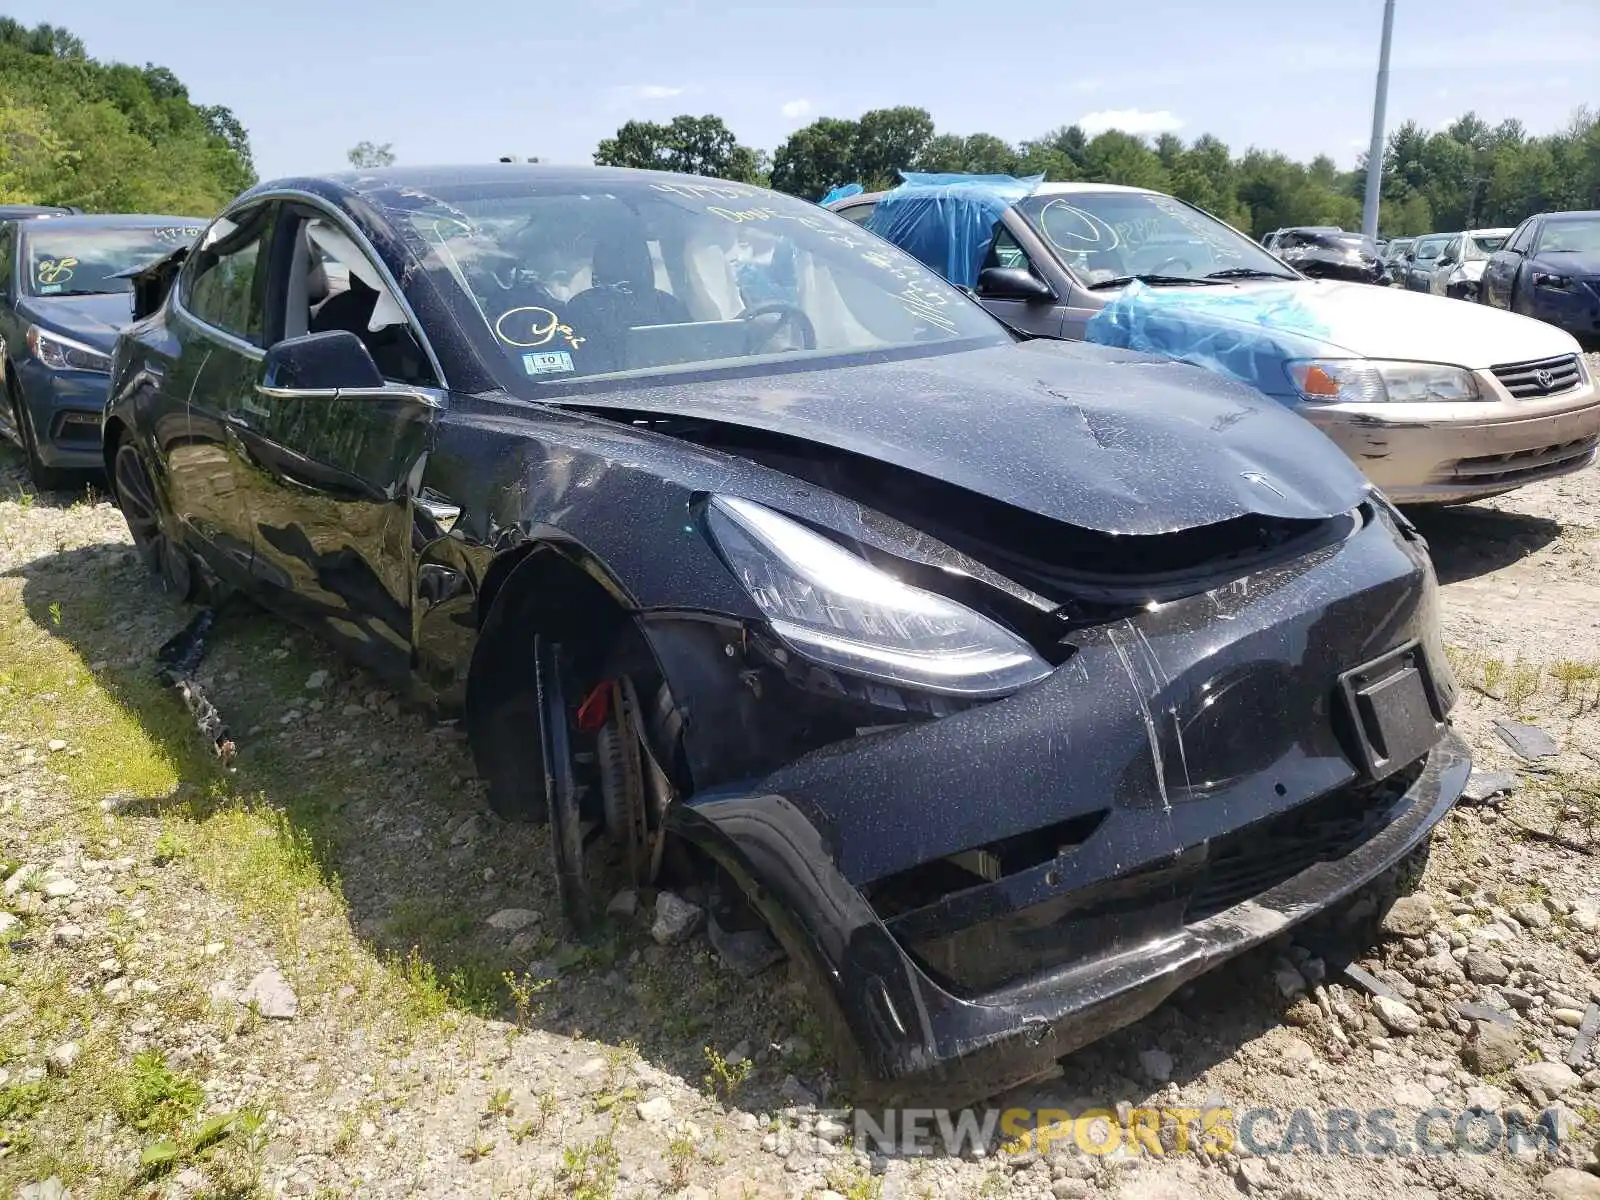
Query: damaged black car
x=1006 y=684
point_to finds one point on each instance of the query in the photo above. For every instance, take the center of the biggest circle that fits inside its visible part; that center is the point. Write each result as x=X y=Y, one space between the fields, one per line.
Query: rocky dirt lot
x=329 y=971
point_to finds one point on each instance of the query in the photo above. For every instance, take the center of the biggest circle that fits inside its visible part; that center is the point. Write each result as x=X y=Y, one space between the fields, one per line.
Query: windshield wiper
x=1247 y=273
x=1152 y=280
x=76 y=292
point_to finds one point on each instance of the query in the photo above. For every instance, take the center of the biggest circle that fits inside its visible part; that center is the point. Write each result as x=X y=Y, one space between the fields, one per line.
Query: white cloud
x=652 y=91
x=1130 y=120
x=795 y=109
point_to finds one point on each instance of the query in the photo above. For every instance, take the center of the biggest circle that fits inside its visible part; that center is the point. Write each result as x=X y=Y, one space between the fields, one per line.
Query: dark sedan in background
x=1009 y=684
x=64 y=297
x=1549 y=268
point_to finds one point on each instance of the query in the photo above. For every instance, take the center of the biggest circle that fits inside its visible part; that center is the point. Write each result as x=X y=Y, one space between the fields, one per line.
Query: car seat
x=623 y=296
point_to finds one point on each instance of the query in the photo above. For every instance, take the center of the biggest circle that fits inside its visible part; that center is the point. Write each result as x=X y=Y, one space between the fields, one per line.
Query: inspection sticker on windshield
x=552 y=363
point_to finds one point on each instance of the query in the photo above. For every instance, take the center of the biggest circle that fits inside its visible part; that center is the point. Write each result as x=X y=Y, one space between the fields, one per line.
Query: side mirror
x=1445 y=260
x=1013 y=283
x=320 y=362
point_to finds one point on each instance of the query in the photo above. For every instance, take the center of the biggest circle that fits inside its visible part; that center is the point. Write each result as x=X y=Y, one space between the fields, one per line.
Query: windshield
x=78 y=261
x=1103 y=236
x=1429 y=250
x=1396 y=249
x=1482 y=245
x=1570 y=237
x=634 y=277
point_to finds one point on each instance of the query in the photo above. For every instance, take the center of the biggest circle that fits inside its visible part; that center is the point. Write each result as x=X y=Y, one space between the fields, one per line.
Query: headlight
x=64 y=354
x=1362 y=381
x=837 y=609
x=1545 y=279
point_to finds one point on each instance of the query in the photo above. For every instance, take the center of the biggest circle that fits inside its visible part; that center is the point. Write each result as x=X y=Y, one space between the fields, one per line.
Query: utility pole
x=1369 y=211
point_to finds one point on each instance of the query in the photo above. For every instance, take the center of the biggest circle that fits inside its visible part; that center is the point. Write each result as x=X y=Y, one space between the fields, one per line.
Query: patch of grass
x=853 y=1183
x=203 y=1143
x=170 y=847
x=157 y=1099
x=1522 y=684
x=500 y=1104
x=589 y=1172
x=1493 y=671
x=525 y=991
x=681 y=1154
x=724 y=1079
x=549 y=1105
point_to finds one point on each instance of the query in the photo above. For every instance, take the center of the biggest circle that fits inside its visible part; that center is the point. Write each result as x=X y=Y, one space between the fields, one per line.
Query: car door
x=1493 y=286
x=218 y=306
x=1042 y=316
x=10 y=328
x=331 y=474
x=1420 y=270
x=1518 y=285
x=1443 y=266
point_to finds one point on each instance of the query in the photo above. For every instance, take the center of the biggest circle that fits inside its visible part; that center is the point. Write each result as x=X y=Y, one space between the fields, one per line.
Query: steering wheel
x=788 y=316
x=1161 y=268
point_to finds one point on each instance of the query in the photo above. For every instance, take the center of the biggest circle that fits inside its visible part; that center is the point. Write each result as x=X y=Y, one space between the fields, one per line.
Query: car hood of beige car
x=1372 y=322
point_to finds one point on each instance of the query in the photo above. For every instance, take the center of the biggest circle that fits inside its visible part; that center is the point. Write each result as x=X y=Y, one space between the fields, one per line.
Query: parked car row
x=1549 y=268
x=1445 y=264
x=1436 y=402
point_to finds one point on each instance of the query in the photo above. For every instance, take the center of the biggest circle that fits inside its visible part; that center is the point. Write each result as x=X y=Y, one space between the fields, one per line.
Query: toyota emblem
x=1545 y=379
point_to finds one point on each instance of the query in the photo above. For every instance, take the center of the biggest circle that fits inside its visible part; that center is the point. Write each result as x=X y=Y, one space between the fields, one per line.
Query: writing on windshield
x=1102 y=236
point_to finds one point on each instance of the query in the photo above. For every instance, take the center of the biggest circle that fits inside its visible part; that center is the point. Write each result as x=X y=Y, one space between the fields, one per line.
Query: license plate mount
x=1394 y=710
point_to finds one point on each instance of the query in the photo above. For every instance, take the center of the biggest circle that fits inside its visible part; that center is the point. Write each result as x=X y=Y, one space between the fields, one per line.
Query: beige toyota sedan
x=1436 y=401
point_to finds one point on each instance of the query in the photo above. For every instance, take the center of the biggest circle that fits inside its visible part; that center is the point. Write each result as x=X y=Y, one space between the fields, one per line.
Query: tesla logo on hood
x=1260 y=480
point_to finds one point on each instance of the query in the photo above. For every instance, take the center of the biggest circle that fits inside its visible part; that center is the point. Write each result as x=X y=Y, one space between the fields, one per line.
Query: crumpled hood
x=1251 y=330
x=93 y=320
x=1100 y=439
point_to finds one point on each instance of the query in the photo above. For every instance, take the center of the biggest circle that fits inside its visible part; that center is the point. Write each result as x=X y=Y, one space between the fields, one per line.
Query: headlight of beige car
x=1363 y=381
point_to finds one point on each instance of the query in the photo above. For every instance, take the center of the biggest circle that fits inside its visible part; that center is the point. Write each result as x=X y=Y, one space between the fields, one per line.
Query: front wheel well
x=545 y=593
x=110 y=439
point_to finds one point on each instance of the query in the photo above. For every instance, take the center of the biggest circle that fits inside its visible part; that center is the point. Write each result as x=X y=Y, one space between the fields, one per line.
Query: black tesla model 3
x=1006 y=684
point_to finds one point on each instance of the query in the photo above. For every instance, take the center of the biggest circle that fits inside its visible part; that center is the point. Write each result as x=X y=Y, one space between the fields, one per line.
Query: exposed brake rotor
x=634 y=790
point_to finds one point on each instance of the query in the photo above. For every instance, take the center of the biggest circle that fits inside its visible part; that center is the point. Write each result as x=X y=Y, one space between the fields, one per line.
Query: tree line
x=109 y=137
x=1467 y=175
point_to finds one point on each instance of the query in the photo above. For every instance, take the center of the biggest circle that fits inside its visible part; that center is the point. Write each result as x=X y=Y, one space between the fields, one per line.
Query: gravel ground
x=328 y=970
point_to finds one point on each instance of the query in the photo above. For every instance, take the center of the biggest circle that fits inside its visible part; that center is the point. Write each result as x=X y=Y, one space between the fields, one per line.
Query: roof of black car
x=424 y=179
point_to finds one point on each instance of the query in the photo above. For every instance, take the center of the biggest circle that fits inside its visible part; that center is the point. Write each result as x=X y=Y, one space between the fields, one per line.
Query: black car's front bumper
x=1188 y=784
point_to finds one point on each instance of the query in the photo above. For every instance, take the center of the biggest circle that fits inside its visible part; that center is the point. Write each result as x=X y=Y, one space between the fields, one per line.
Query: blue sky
x=470 y=80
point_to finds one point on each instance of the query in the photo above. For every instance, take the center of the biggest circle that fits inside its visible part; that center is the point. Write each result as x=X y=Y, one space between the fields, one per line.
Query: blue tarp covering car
x=1248 y=335
x=948 y=220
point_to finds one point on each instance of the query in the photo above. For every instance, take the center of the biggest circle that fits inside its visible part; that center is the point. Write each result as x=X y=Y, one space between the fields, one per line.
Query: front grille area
x=1247 y=862
x=1542 y=377
x=1523 y=466
x=972 y=944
